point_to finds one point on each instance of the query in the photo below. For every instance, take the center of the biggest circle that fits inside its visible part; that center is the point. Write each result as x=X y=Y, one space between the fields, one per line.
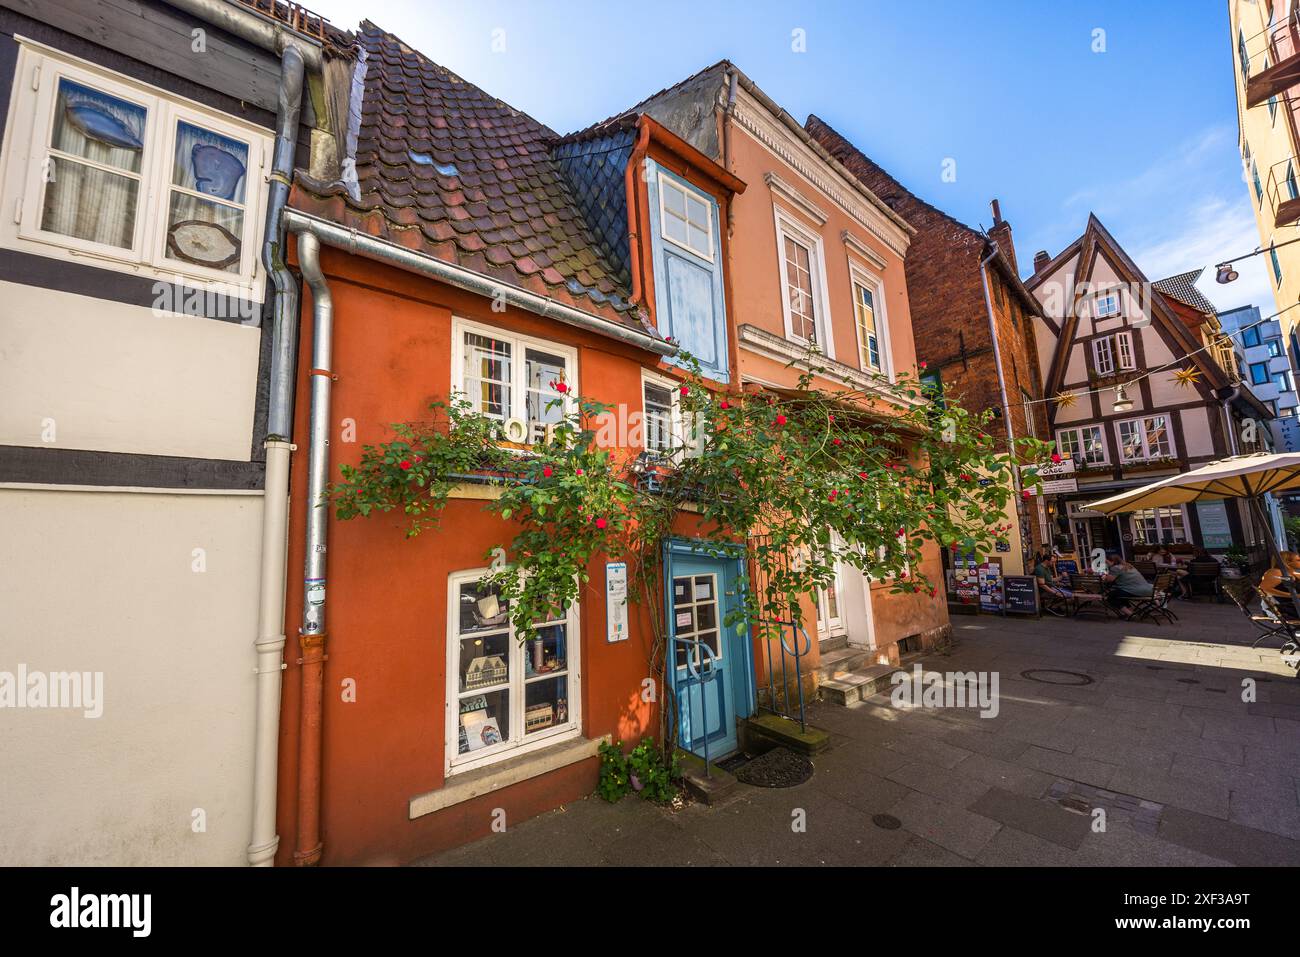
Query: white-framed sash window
x=506 y=693
x=871 y=322
x=1144 y=438
x=685 y=218
x=513 y=378
x=107 y=170
x=803 y=283
x=1086 y=444
x=661 y=413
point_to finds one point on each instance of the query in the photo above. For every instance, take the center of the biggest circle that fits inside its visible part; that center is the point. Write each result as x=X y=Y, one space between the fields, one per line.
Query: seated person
x=1164 y=561
x=1272 y=584
x=1048 y=576
x=1127 y=583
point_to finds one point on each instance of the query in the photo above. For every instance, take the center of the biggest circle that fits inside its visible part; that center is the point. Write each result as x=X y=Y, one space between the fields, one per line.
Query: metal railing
x=703 y=680
x=791 y=666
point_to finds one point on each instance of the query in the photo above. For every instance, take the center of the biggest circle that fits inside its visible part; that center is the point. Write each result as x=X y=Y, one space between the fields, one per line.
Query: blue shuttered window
x=687 y=249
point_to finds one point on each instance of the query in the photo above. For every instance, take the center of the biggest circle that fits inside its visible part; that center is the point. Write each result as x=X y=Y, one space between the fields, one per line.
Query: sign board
x=1067 y=565
x=616 y=601
x=1057 y=479
x=965 y=572
x=1021 y=595
x=1215 y=531
x=990 y=585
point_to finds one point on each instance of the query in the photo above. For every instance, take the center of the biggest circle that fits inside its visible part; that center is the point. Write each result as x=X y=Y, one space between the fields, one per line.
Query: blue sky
x=1142 y=133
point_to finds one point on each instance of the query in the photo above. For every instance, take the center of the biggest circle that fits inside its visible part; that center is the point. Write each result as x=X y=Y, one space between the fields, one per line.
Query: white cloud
x=1209 y=230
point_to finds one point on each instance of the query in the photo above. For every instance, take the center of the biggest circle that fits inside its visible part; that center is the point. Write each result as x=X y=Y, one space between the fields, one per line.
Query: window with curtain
x=149 y=183
x=205 y=209
x=93 y=166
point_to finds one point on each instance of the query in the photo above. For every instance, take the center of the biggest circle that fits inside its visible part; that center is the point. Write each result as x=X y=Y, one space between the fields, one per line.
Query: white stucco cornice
x=796 y=199
x=771 y=346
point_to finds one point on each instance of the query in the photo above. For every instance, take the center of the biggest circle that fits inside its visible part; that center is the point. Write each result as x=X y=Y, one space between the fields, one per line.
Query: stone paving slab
x=1188 y=773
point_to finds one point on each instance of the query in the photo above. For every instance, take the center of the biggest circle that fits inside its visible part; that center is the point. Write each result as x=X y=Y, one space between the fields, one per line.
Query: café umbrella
x=1241 y=476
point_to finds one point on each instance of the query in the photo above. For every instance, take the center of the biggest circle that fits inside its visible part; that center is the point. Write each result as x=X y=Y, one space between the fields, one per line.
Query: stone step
x=842 y=661
x=713 y=787
x=825 y=645
x=853 y=686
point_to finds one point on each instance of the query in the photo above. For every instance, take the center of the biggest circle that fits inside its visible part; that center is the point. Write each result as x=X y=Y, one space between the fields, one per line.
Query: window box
x=101 y=168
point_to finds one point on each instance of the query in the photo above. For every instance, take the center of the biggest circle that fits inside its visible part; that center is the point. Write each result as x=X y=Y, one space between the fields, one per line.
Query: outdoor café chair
x=1053 y=600
x=1147 y=569
x=1243 y=593
x=1156 y=607
x=1281 y=613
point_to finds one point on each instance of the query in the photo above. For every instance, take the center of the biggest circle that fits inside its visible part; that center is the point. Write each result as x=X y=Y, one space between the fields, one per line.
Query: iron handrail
x=703 y=679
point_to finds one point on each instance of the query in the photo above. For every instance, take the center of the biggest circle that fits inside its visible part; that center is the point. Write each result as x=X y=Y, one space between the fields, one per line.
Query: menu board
x=1021 y=595
x=965 y=573
x=990 y=585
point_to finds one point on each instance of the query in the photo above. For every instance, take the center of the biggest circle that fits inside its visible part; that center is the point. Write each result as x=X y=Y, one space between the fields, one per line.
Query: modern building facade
x=973 y=320
x=1143 y=384
x=1266 y=55
x=1265 y=365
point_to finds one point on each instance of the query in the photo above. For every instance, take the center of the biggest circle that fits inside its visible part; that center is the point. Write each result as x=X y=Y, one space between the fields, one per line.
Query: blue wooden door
x=713 y=674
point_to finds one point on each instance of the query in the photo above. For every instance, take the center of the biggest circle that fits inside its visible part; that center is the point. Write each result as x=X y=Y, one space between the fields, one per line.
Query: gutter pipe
x=380 y=250
x=297 y=53
x=634 y=163
x=1002 y=382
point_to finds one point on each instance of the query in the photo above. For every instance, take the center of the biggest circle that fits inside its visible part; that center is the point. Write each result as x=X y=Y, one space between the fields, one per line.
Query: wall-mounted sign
x=1057 y=479
x=990 y=584
x=616 y=601
x=1215 y=531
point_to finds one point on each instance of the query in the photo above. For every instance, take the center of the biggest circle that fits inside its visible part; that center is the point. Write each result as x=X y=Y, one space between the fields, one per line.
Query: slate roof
x=1183 y=288
x=450 y=171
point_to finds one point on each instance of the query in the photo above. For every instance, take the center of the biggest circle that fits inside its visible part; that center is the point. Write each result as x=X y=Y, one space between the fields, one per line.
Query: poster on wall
x=990 y=586
x=616 y=601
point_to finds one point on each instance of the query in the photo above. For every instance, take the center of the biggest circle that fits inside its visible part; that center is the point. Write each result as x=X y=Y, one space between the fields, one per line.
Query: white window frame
x=860 y=276
x=518 y=382
x=1141 y=420
x=518 y=743
x=672 y=182
x=787 y=225
x=1160 y=520
x=1111 y=295
x=1125 y=359
x=1101 y=436
x=676 y=431
x=28 y=131
x=1108 y=367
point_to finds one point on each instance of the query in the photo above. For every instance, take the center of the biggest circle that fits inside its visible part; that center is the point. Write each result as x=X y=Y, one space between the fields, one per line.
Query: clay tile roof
x=1183 y=288
x=479 y=180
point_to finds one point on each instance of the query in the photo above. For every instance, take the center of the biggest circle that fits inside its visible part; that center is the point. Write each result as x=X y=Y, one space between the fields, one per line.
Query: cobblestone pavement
x=1187 y=772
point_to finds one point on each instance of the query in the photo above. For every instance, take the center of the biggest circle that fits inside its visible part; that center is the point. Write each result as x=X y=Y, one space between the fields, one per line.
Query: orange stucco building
x=479 y=254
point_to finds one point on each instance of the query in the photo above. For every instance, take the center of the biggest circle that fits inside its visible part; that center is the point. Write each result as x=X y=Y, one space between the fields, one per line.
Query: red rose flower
x=780 y=419
x=577 y=471
x=548 y=471
x=561 y=387
x=1026 y=494
x=965 y=477
x=601 y=523
x=1056 y=457
x=724 y=404
x=862 y=475
x=404 y=464
x=837 y=441
x=831 y=497
x=686 y=390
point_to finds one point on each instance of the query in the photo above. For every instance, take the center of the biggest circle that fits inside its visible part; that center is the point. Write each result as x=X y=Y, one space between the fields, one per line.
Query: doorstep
x=494 y=777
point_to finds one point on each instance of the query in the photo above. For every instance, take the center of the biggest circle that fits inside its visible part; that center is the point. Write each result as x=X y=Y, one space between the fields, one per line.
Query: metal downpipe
x=269 y=643
x=311 y=637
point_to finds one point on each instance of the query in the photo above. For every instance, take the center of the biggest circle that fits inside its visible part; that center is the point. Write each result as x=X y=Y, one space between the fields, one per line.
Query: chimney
x=1001 y=234
x=1041 y=259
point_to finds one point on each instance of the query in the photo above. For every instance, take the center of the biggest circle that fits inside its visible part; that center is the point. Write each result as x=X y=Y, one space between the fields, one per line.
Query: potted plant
x=1236 y=557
